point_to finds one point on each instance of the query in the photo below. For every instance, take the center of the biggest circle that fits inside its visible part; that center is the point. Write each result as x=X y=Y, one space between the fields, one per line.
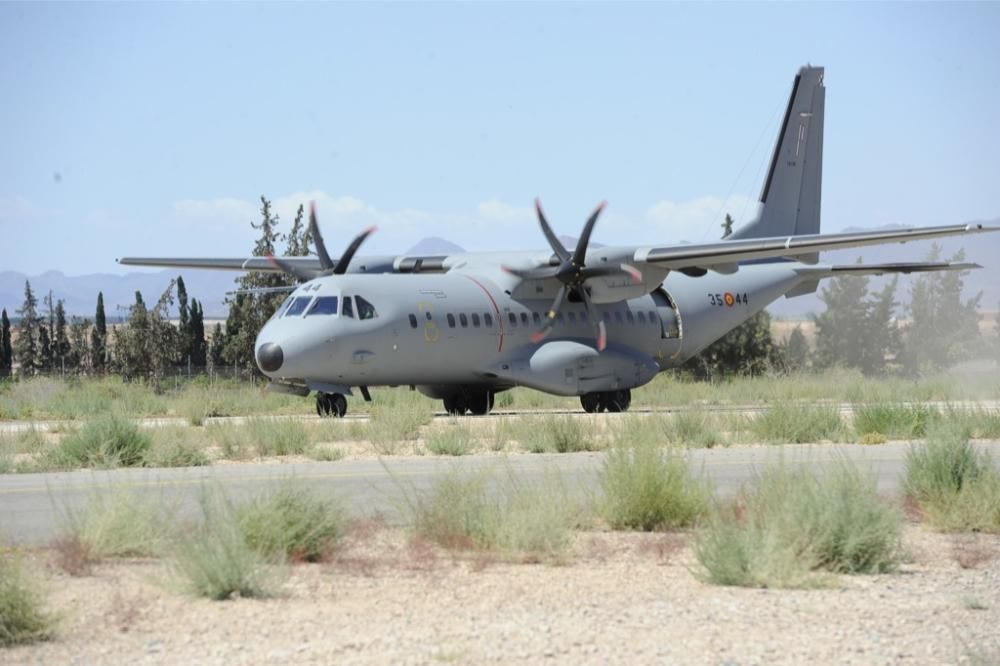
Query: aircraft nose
x=270 y=357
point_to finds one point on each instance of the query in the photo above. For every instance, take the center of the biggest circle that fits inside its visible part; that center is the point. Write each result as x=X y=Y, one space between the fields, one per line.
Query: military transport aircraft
x=591 y=322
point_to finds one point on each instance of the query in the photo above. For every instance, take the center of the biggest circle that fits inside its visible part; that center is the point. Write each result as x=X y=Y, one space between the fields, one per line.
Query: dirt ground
x=618 y=598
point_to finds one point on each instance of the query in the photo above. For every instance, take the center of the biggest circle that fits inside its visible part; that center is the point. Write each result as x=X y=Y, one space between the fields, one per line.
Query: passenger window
x=365 y=309
x=607 y=317
x=488 y=320
x=298 y=306
x=628 y=315
x=652 y=317
x=324 y=305
x=475 y=320
x=535 y=318
x=413 y=321
x=512 y=318
x=584 y=318
x=618 y=316
x=463 y=320
x=524 y=318
x=560 y=319
x=572 y=317
x=451 y=320
x=642 y=316
x=348 y=308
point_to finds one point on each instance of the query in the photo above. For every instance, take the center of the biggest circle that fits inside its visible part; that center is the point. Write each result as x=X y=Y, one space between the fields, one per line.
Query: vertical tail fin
x=792 y=191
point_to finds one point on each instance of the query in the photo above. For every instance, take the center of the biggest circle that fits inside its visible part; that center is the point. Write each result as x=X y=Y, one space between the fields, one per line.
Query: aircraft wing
x=883 y=269
x=723 y=256
x=256 y=264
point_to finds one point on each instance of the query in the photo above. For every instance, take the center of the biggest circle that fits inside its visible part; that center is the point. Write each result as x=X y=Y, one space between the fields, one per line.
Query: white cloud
x=698 y=219
x=222 y=211
x=495 y=210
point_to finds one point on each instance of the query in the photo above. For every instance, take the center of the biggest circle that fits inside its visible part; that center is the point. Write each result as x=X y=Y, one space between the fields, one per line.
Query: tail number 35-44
x=728 y=299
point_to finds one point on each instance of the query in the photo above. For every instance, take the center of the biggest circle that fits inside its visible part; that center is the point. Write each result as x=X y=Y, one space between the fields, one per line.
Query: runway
x=34 y=505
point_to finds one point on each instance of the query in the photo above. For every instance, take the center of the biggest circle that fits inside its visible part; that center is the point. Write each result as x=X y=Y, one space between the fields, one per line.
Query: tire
x=591 y=403
x=338 y=405
x=322 y=405
x=455 y=405
x=617 y=401
x=480 y=402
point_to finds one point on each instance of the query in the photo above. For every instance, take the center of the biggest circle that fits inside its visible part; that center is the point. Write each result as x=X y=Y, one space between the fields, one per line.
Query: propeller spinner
x=573 y=273
x=328 y=267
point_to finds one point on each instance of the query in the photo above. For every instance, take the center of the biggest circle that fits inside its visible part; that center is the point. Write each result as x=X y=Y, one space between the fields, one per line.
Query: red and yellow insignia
x=729 y=299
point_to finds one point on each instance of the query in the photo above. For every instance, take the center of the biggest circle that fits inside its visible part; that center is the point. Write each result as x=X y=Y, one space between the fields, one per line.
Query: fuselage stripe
x=496 y=309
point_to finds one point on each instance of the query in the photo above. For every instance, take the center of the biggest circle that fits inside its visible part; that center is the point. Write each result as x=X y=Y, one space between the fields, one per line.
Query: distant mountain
x=210 y=287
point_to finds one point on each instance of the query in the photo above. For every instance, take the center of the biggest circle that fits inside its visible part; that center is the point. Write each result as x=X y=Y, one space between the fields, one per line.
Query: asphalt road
x=34 y=507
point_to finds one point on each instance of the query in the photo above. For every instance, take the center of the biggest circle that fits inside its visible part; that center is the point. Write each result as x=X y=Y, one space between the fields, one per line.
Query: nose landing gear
x=477 y=402
x=331 y=404
x=610 y=401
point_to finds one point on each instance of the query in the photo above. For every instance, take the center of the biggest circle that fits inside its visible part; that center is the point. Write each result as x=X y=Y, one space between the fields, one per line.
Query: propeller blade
x=600 y=331
x=550 y=235
x=608 y=271
x=532 y=273
x=303 y=274
x=324 y=257
x=580 y=254
x=550 y=316
x=345 y=259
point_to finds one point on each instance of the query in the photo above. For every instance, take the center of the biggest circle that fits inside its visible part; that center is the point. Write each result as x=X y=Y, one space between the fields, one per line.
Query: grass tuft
x=791 y=527
x=893 y=420
x=292 y=522
x=22 y=619
x=389 y=425
x=107 y=441
x=120 y=523
x=647 y=488
x=453 y=441
x=215 y=561
x=797 y=424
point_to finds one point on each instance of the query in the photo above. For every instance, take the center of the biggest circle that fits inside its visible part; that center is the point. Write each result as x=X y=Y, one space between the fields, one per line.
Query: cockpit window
x=347 y=310
x=324 y=305
x=281 y=308
x=298 y=306
x=365 y=309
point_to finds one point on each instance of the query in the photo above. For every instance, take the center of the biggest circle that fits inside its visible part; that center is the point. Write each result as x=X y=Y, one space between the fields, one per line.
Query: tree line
x=859 y=328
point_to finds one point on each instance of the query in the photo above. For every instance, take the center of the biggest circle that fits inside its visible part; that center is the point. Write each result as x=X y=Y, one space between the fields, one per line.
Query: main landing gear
x=606 y=401
x=476 y=402
x=331 y=404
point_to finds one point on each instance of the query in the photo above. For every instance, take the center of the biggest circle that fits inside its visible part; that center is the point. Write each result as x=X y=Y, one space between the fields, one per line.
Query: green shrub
x=106 y=441
x=214 y=560
x=454 y=441
x=692 y=429
x=22 y=619
x=118 y=522
x=893 y=421
x=325 y=453
x=278 y=437
x=647 y=488
x=797 y=424
x=292 y=522
x=791 y=526
x=466 y=510
x=174 y=446
x=956 y=487
x=389 y=425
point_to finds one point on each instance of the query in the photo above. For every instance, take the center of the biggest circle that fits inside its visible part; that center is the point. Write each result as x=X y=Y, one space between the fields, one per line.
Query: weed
x=215 y=561
x=895 y=421
x=973 y=603
x=117 y=522
x=389 y=425
x=274 y=437
x=872 y=438
x=797 y=424
x=692 y=429
x=22 y=619
x=646 y=488
x=73 y=556
x=107 y=441
x=790 y=525
x=970 y=551
x=292 y=522
x=454 y=441
x=174 y=446
x=325 y=453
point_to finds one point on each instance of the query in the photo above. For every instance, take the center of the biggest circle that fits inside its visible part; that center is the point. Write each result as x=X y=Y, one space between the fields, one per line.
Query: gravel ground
x=619 y=598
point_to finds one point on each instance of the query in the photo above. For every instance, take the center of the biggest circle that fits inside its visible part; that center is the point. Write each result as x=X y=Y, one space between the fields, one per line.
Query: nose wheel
x=606 y=401
x=478 y=403
x=331 y=404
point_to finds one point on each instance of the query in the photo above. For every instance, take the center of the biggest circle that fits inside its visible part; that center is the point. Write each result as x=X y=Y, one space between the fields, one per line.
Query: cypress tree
x=99 y=337
x=6 y=353
x=60 y=338
x=183 y=323
x=198 y=350
x=796 y=350
x=26 y=350
x=216 y=347
x=77 y=358
x=44 y=349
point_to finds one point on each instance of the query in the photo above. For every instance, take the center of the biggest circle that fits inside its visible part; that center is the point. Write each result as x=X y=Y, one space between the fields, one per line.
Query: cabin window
x=652 y=317
x=298 y=306
x=572 y=317
x=488 y=320
x=512 y=318
x=451 y=320
x=427 y=315
x=607 y=317
x=584 y=318
x=475 y=320
x=365 y=309
x=628 y=315
x=618 y=316
x=413 y=321
x=347 y=309
x=642 y=317
x=535 y=318
x=463 y=320
x=560 y=318
x=324 y=305
x=524 y=318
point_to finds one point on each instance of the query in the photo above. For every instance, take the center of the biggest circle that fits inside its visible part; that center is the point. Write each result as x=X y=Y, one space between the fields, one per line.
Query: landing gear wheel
x=456 y=405
x=591 y=402
x=617 y=401
x=480 y=402
x=331 y=404
x=338 y=405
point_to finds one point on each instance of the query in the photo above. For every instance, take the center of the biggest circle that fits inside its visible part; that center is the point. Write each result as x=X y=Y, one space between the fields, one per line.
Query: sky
x=154 y=128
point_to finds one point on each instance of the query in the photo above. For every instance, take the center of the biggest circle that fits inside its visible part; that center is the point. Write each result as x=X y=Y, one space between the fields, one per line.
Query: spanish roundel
x=729 y=298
